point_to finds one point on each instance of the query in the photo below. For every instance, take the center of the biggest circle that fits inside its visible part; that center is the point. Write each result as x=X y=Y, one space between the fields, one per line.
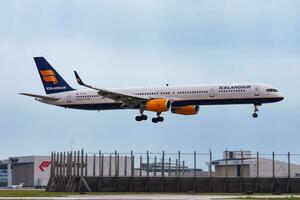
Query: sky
x=129 y=43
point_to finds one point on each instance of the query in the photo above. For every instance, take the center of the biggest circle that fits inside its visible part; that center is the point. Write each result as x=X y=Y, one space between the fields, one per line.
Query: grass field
x=43 y=193
x=32 y=193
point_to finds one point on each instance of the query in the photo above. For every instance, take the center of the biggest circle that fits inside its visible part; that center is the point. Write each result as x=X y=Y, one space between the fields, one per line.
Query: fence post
x=102 y=165
x=141 y=160
x=52 y=165
x=61 y=163
x=57 y=163
x=289 y=165
x=94 y=165
x=169 y=166
x=82 y=162
x=86 y=165
x=176 y=168
x=226 y=163
x=68 y=164
x=73 y=164
x=163 y=164
x=273 y=164
x=78 y=163
x=155 y=163
x=242 y=162
x=116 y=163
x=99 y=162
x=210 y=163
x=182 y=168
x=132 y=163
x=195 y=164
x=257 y=164
x=147 y=163
x=125 y=167
x=64 y=163
x=109 y=168
x=179 y=162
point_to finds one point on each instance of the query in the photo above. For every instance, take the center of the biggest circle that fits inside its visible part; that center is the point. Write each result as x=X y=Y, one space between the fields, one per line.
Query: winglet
x=79 y=81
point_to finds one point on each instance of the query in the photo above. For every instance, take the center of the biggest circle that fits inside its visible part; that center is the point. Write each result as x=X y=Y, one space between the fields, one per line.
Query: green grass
x=43 y=193
x=32 y=193
x=257 y=198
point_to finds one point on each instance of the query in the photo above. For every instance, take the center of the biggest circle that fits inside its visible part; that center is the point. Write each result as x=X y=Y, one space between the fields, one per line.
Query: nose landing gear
x=256 y=109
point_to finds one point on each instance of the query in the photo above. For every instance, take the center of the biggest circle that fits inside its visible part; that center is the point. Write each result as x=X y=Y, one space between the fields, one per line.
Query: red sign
x=44 y=164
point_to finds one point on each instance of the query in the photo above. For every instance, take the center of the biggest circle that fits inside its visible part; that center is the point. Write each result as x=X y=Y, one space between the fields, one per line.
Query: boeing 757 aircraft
x=182 y=100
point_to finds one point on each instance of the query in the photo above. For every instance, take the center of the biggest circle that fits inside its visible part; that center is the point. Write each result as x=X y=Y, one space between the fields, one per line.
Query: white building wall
x=41 y=178
x=106 y=164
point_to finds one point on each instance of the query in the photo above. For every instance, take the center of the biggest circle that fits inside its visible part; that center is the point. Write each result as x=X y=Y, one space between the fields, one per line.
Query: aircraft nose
x=280 y=97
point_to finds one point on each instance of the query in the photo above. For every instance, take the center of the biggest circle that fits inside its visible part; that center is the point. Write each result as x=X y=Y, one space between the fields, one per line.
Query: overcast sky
x=149 y=43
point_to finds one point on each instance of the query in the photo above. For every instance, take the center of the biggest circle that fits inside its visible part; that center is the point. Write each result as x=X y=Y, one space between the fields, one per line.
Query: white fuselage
x=240 y=93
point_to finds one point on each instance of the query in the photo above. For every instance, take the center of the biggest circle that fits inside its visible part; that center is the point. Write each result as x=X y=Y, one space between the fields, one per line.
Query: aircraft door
x=69 y=99
x=212 y=93
x=256 y=91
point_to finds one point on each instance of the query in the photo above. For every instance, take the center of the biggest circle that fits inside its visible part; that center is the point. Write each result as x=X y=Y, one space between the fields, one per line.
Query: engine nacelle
x=158 y=105
x=186 y=110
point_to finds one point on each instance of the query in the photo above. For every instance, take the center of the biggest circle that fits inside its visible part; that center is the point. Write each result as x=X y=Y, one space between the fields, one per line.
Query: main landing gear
x=256 y=109
x=158 y=118
x=141 y=117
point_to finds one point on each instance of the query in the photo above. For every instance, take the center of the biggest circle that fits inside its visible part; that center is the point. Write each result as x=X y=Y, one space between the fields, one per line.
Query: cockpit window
x=271 y=90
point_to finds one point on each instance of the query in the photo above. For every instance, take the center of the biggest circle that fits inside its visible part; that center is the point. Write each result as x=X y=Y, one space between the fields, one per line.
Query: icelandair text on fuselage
x=237 y=87
x=56 y=88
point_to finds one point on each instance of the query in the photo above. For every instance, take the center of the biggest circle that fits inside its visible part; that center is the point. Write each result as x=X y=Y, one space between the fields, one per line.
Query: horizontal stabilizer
x=40 y=97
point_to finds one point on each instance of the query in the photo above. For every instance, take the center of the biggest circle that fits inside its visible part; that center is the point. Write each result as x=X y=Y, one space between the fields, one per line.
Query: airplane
x=21 y=185
x=182 y=100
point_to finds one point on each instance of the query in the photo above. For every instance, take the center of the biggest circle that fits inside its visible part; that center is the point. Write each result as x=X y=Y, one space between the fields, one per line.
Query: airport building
x=3 y=174
x=34 y=171
x=242 y=163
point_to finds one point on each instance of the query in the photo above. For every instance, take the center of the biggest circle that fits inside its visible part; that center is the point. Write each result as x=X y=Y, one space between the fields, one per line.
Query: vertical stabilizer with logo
x=52 y=81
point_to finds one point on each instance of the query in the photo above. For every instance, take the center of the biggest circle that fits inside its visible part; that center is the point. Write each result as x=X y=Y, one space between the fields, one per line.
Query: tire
x=255 y=115
x=138 y=118
x=144 y=117
x=160 y=119
x=154 y=120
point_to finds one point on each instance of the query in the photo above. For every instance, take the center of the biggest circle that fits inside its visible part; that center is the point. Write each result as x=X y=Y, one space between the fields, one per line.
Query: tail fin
x=52 y=81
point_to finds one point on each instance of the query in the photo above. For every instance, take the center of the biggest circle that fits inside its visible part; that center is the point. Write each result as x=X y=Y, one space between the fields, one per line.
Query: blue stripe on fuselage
x=178 y=103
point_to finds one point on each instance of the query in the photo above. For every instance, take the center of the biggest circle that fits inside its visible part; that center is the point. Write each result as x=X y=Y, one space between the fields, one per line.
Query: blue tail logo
x=52 y=81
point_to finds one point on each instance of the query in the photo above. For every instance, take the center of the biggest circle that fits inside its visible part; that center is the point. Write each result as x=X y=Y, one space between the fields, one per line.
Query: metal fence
x=179 y=164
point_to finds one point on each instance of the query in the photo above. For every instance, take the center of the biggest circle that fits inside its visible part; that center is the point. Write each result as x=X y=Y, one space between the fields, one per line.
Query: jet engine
x=186 y=110
x=158 y=105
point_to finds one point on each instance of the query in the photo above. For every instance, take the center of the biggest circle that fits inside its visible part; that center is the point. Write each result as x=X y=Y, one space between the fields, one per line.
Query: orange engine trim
x=186 y=110
x=158 y=105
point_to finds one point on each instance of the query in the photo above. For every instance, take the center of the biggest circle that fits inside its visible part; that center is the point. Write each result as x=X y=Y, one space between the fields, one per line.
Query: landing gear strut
x=141 y=117
x=158 y=118
x=256 y=109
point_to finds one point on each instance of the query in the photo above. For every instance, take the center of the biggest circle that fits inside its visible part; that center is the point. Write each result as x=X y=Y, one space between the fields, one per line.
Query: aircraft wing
x=40 y=97
x=127 y=100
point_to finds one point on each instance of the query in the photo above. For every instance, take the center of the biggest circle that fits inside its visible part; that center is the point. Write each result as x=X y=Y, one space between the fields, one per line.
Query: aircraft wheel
x=255 y=115
x=154 y=120
x=144 y=117
x=160 y=119
x=138 y=118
